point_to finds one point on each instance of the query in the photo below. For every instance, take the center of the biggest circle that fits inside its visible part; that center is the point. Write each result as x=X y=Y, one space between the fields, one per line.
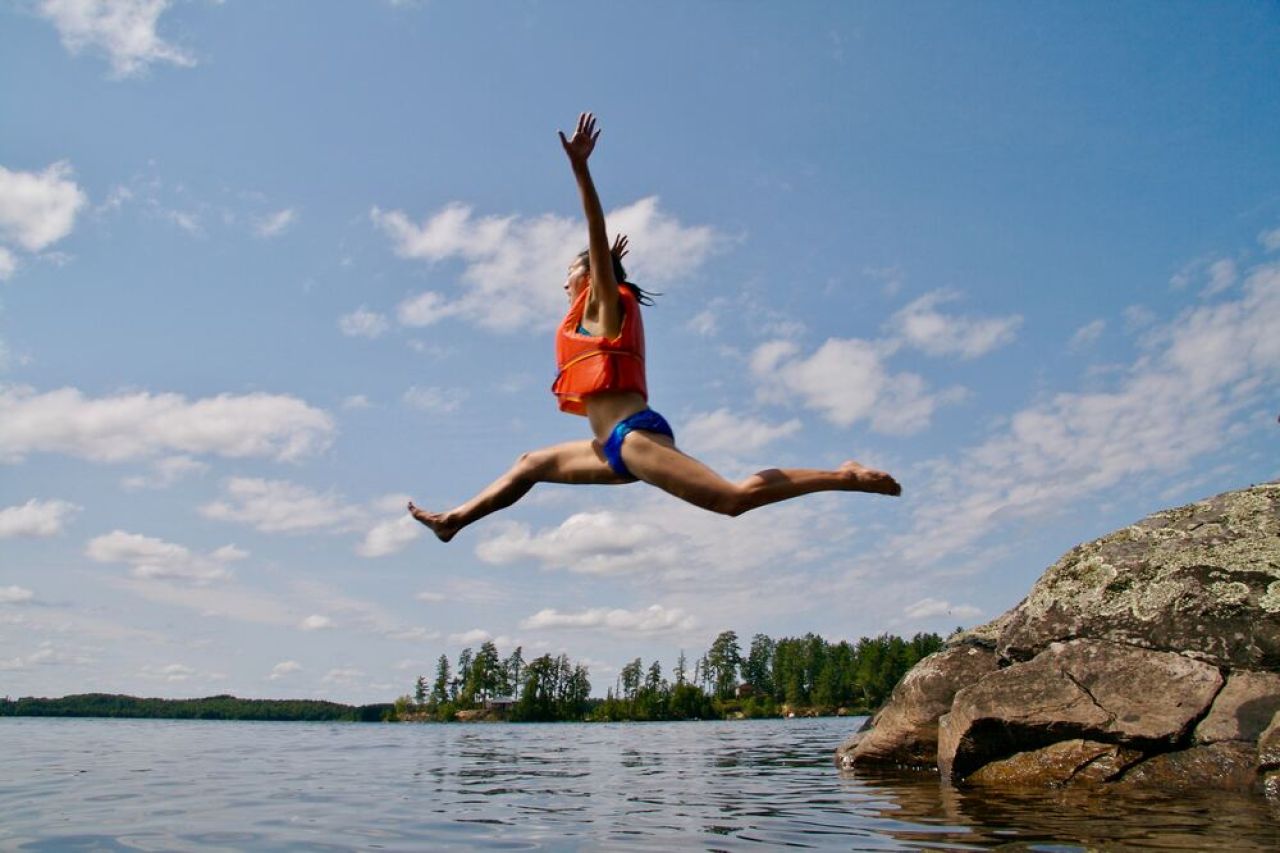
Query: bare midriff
x=606 y=408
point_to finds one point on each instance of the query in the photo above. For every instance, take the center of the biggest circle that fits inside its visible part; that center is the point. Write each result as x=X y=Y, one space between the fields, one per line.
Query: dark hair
x=644 y=297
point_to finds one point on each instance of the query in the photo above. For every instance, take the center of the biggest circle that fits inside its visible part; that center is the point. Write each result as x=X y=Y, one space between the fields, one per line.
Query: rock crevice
x=1149 y=656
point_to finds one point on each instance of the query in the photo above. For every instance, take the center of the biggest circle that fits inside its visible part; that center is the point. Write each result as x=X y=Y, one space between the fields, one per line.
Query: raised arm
x=604 y=287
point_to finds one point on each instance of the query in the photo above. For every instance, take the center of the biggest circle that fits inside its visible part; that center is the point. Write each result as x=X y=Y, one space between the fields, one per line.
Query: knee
x=733 y=504
x=529 y=465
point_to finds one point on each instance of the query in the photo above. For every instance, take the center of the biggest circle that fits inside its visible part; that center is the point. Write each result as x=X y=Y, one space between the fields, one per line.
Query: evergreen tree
x=457 y=690
x=440 y=687
x=630 y=676
x=512 y=669
x=757 y=670
x=723 y=659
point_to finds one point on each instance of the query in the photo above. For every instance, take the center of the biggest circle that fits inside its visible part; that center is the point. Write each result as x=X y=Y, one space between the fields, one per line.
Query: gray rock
x=905 y=732
x=1244 y=708
x=1082 y=689
x=1203 y=579
x=1198 y=587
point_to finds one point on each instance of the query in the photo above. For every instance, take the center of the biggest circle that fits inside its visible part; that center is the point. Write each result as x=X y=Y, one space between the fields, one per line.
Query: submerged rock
x=1063 y=763
x=1148 y=656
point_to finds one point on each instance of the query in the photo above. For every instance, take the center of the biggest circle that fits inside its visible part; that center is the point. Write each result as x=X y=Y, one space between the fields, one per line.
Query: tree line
x=209 y=708
x=769 y=678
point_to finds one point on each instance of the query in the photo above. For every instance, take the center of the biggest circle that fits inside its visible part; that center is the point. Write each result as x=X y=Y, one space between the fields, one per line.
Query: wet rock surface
x=1149 y=657
x=905 y=731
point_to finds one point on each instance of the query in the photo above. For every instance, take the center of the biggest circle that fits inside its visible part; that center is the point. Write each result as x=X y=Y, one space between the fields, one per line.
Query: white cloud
x=166 y=472
x=284 y=668
x=315 y=622
x=723 y=431
x=890 y=278
x=15 y=595
x=1179 y=401
x=474 y=637
x=140 y=424
x=659 y=539
x=355 y=614
x=278 y=506
x=38 y=209
x=1138 y=317
x=926 y=607
x=274 y=224
x=362 y=323
x=342 y=675
x=174 y=672
x=921 y=325
x=435 y=400
x=846 y=380
x=586 y=542
x=8 y=264
x=652 y=619
x=356 y=401
x=1088 y=334
x=35 y=518
x=46 y=655
x=390 y=537
x=430 y=597
x=514 y=265
x=1270 y=240
x=155 y=559
x=1222 y=274
x=186 y=220
x=424 y=309
x=123 y=30
x=703 y=323
x=229 y=553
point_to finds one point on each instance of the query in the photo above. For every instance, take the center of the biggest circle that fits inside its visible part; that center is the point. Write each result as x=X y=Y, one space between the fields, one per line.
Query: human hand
x=619 y=250
x=579 y=148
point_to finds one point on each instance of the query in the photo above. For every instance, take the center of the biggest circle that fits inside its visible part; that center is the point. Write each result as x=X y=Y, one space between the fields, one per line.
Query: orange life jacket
x=590 y=364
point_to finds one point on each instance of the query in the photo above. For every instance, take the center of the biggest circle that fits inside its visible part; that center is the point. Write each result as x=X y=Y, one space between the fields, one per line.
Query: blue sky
x=267 y=270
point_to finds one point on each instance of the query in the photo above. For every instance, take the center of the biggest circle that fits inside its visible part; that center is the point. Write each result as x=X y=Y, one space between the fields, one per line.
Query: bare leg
x=655 y=459
x=572 y=462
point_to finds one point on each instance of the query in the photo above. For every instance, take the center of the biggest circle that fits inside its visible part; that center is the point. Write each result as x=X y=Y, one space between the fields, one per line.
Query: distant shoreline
x=223 y=707
x=226 y=707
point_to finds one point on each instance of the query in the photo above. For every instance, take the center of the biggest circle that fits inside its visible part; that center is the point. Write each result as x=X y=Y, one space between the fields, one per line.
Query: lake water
x=750 y=785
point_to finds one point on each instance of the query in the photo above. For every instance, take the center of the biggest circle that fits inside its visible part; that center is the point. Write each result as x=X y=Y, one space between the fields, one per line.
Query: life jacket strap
x=593 y=352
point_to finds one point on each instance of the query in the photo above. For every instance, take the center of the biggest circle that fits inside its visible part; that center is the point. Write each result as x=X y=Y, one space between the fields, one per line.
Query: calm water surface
x=163 y=785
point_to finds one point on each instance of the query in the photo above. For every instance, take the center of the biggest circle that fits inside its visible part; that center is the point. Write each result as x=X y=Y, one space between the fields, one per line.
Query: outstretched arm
x=604 y=287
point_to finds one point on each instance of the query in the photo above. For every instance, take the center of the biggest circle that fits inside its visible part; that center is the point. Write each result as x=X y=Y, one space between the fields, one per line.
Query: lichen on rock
x=1150 y=654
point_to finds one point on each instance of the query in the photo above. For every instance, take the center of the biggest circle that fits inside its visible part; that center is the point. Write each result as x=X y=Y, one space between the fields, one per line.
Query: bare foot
x=870 y=480
x=438 y=522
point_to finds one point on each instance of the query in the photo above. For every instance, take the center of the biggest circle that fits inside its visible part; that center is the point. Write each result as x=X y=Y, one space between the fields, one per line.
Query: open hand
x=579 y=148
x=619 y=250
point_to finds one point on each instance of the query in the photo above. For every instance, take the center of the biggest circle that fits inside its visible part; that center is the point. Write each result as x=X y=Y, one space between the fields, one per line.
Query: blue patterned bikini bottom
x=646 y=420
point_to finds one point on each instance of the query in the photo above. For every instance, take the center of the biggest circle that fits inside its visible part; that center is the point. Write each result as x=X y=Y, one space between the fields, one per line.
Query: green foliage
x=553 y=690
x=798 y=674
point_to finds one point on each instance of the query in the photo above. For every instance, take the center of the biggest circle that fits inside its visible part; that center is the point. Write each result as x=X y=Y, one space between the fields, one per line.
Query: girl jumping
x=600 y=355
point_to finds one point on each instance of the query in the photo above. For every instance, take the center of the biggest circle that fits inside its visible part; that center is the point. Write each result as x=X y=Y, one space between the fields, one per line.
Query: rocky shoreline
x=1149 y=657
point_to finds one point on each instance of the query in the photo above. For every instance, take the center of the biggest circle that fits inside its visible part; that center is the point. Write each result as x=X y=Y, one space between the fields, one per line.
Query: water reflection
x=68 y=784
x=1066 y=819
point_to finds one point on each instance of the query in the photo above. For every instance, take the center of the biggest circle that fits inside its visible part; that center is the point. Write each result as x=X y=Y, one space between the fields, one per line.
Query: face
x=576 y=279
